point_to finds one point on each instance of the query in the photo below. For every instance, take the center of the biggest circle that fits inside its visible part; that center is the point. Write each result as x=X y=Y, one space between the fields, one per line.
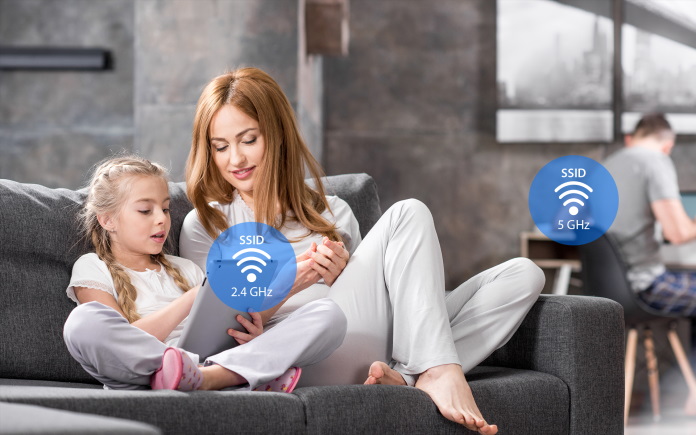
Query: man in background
x=649 y=193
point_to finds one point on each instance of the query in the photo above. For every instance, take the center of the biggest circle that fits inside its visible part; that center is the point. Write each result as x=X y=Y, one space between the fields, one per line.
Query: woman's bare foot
x=216 y=377
x=447 y=387
x=380 y=373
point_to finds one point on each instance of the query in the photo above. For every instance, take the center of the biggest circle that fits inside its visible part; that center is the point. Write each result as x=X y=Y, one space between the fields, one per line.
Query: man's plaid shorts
x=673 y=292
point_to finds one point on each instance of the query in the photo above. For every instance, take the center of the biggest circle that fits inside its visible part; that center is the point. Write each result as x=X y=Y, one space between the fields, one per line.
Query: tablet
x=205 y=332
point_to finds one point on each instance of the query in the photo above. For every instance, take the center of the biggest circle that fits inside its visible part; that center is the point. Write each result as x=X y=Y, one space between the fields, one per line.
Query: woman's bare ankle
x=437 y=371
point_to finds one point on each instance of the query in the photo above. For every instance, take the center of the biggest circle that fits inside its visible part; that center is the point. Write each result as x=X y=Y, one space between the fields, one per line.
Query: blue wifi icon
x=579 y=211
x=251 y=266
x=251 y=277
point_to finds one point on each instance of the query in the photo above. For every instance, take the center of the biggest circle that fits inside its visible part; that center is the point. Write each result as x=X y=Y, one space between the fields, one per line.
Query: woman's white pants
x=392 y=293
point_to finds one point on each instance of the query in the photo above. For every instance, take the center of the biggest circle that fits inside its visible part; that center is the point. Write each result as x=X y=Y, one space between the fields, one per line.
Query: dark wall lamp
x=46 y=58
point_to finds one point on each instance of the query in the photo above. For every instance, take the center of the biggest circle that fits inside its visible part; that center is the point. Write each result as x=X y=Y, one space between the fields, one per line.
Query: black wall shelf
x=54 y=59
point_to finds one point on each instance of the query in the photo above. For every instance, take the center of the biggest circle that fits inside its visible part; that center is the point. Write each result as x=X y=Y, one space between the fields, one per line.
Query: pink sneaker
x=178 y=372
x=285 y=383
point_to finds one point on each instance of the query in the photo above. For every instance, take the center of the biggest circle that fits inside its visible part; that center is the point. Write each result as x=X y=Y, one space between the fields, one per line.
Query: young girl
x=133 y=300
x=247 y=163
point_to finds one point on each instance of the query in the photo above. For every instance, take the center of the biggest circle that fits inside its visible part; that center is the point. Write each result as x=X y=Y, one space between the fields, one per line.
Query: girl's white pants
x=122 y=356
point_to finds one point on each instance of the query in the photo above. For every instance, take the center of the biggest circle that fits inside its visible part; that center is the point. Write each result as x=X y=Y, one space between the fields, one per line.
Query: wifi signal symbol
x=251 y=277
x=573 y=210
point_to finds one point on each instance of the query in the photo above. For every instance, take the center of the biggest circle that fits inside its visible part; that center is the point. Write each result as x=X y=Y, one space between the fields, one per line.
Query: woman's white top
x=155 y=289
x=195 y=242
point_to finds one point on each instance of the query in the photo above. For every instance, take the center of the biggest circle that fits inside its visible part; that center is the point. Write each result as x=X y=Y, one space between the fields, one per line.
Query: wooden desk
x=565 y=259
x=548 y=254
x=679 y=257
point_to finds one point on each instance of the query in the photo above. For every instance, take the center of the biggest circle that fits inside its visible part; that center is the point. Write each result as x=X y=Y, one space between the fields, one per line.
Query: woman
x=247 y=163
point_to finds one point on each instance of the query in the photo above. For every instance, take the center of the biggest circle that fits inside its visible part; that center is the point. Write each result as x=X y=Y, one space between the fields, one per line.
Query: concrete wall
x=55 y=125
x=181 y=44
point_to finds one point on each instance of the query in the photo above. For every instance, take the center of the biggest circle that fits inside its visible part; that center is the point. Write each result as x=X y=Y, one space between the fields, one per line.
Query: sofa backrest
x=39 y=242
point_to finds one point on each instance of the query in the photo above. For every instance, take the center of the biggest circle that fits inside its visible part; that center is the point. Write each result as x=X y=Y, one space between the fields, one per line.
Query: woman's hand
x=330 y=258
x=305 y=275
x=254 y=328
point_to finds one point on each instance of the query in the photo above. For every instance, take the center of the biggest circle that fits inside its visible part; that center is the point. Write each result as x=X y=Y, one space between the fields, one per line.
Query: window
x=559 y=79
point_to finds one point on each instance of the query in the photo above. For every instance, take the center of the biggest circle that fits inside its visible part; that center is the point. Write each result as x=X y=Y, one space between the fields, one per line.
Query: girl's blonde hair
x=280 y=179
x=107 y=195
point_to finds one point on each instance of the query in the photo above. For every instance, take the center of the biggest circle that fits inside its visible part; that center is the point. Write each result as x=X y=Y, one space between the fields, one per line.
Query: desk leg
x=560 y=285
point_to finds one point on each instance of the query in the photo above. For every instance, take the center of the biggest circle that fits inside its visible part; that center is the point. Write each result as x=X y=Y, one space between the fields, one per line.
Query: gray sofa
x=561 y=373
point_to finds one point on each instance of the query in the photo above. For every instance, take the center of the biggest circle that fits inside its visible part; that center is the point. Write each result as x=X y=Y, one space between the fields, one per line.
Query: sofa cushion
x=360 y=192
x=39 y=242
x=502 y=395
x=30 y=419
x=12 y=382
x=173 y=411
x=38 y=245
x=580 y=340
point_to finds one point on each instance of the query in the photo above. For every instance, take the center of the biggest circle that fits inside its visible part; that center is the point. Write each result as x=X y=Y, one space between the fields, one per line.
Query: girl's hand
x=330 y=258
x=254 y=328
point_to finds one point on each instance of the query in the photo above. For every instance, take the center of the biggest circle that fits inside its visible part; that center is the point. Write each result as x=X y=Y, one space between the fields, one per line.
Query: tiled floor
x=673 y=422
x=673 y=394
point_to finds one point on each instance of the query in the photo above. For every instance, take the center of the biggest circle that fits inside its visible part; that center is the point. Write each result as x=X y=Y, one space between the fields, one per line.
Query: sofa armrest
x=579 y=339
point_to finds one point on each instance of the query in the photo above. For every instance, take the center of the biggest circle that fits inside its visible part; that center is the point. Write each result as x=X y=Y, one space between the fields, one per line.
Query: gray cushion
x=39 y=243
x=175 y=411
x=39 y=383
x=30 y=419
x=580 y=340
x=360 y=192
x=503 y=395
x=507 y=396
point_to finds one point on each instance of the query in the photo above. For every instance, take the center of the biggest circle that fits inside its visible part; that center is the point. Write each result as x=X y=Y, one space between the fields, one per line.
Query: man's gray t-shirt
x=642 y=176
